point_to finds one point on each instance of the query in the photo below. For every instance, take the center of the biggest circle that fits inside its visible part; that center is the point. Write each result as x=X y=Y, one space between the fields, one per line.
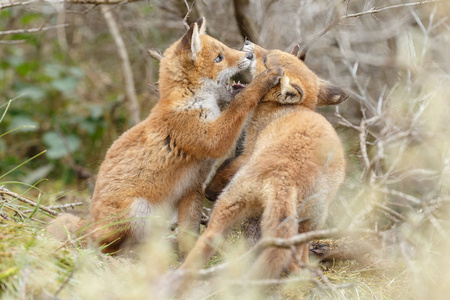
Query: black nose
x=249 y=55
x=247 y=42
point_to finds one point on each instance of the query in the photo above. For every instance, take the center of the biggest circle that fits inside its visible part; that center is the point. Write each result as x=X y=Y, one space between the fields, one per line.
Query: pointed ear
x=191 y=41
x=295 y=50
x=330 y=94
x=201 y=23
x=300 y=54
x=290 y=92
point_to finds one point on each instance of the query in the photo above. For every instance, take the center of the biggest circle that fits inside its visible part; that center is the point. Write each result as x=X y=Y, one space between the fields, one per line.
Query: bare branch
x=304 y=238
x=126 y=66
x=281 y=243
x=371 y=11
x=13 y=42
x=272 y=282
x=377 y=10
x=8 y=4
x=401 y=195
x=5 y=216
x=32 y=30
x=390 y=212
x=48 y=210
x=185 y=23
x=66 y=205
x=15 y=3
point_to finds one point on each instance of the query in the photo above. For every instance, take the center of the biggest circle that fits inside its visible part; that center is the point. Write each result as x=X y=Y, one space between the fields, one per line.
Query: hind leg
x=111 y=227
x=111 y=238
x=189 y=215
x=278 y=221
x=233 y=204
x=312 y=210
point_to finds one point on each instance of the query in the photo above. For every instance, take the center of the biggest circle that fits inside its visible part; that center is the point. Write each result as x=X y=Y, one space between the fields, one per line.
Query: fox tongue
x=237 y=86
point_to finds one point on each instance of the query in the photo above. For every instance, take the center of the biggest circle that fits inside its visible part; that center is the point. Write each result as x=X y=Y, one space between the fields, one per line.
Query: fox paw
x=272 y=77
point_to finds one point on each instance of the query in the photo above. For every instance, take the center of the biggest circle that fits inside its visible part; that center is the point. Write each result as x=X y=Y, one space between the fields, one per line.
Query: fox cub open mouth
x=238 y=81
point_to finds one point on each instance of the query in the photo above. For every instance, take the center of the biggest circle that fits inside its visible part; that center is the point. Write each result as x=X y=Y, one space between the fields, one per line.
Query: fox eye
x=219 y=58
x=265 y=61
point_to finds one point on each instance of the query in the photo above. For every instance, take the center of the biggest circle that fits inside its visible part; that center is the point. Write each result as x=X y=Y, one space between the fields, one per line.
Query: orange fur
x=165 y=160
x=292 y=166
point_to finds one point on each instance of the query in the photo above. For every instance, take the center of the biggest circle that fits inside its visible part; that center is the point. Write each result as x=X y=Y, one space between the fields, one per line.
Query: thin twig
x=66 y=281
x=97 y=2
x=185 y=23
x=66 y=205
x=62 y=206
x=4 y=216
x=12 y=42
x=126 y=66
x=33 y=30
x=50 y=211
x=271 y=282
x=281 y=243
x=327 y=284
x=390 y=211
x=410 y=198
x=373 y=10
x=16 y=3
x=303 y=238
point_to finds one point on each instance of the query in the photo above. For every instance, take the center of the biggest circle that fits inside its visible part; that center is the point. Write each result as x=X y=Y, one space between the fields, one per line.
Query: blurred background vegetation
x=63 y=89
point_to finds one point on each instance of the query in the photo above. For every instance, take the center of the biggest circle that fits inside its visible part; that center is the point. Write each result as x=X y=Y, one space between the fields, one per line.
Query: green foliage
x=47 y=107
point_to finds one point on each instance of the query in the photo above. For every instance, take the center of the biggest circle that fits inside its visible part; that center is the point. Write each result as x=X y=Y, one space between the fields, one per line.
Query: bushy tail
x=67 y=227
x=279 y=220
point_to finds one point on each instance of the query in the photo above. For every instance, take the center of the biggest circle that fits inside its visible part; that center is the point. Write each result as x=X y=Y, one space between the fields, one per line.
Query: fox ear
x=201 y=23
x=300 y=54
x=291 y=93
x=295 y=50
x=191 y=40
x=330 y=94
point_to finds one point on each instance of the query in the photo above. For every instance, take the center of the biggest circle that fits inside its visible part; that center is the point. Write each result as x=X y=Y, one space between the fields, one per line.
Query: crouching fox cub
x=165 y=159
x=292 y=165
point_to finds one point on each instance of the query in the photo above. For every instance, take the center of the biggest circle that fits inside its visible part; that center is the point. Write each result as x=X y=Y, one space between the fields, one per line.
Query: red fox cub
x=291 y=168
x=164 y=161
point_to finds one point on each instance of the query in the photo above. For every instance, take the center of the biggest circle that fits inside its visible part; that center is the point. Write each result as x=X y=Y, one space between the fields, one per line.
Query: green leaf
x=23 y=121
x=57 y=145
x=65 y=85
x=27 y=68
x=76 y=72
x=53 y=70
x=88 y=126
x=37 y=174
x=35 y=93
x=96 y=111
x=28 y=18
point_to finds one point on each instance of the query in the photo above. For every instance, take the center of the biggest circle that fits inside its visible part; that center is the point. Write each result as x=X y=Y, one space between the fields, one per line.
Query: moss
x=29 y=261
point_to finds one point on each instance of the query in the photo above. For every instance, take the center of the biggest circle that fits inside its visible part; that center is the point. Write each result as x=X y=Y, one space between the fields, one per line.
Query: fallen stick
x=62 y=206
x=67 y=205
x=5 y=191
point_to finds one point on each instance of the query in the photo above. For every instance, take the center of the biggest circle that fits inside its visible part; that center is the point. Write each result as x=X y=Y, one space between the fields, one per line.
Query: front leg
x=224 y=175
x=189 y=215
x=214 y=139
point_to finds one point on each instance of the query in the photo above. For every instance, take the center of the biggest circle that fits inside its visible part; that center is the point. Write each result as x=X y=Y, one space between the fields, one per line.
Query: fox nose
x=249 y=55
x=247 y=42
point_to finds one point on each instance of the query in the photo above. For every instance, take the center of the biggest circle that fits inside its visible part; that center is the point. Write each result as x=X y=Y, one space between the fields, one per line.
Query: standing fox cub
x=292 y=166
x=165 y=160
